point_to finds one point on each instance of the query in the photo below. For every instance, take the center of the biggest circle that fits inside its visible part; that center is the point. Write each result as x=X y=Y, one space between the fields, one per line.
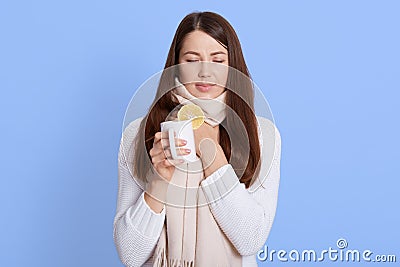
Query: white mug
x=183 y=130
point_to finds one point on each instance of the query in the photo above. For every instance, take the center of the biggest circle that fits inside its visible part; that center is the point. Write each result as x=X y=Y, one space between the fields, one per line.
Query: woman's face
x=205 y=71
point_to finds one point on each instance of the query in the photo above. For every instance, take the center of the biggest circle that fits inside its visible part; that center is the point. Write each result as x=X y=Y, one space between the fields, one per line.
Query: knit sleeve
x=136 y=227
x=246 y=215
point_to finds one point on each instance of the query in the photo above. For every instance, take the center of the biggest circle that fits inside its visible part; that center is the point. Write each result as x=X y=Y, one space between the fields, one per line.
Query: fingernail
x=184 y=142
x=187 y=150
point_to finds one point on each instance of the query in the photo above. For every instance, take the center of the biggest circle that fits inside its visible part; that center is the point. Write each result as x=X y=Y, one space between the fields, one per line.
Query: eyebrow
x=198 y=54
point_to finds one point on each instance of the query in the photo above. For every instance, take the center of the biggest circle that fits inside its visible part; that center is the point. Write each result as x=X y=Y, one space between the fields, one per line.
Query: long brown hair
x=241 y=123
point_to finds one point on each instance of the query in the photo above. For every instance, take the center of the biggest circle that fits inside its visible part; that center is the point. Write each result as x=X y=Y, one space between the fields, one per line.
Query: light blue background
x=329 y=69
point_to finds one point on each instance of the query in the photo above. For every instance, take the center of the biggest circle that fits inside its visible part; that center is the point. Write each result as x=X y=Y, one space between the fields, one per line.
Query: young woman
x=169 y=215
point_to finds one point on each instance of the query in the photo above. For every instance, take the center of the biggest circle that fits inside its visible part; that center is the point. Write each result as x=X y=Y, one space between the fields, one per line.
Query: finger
x=161 y=135
x=165 y=143
x=179 y=152
x=155 y=150
x=164 y=137
x=178 y=142
x=172 y=162
x=166 y=154
x=157 y=137
x=160 y=156
x=183 y=151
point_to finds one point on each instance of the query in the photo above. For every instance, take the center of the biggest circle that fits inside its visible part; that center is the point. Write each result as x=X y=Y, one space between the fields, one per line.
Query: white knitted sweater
x=244 y=215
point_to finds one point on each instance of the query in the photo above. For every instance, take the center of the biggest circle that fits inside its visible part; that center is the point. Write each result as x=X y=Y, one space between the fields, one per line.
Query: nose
x=204 y=71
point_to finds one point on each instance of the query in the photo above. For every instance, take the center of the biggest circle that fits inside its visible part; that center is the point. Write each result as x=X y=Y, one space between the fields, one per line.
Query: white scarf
x=214 y=109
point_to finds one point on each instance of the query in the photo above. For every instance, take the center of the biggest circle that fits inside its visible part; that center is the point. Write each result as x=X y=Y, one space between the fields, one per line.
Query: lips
x=204 y=87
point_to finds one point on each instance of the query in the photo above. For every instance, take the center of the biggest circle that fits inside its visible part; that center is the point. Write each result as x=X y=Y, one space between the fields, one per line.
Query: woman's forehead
x=199 y=41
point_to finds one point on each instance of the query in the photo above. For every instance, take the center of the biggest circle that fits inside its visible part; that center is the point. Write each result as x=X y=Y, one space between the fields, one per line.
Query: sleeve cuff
x=145 y=220
x=219 y=183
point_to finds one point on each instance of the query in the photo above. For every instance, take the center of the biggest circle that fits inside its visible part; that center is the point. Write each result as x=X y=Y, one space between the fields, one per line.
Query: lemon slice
x=192 y=112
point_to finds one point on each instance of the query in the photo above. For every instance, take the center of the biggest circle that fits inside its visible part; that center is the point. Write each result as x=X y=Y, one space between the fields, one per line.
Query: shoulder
x=130 y=132
x=133 y=127
x=268 y=130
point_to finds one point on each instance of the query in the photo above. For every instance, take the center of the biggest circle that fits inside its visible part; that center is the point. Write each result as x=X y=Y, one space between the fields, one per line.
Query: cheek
x=222 y=76
x=188 y=73
x=219 y=90
x=191 y=88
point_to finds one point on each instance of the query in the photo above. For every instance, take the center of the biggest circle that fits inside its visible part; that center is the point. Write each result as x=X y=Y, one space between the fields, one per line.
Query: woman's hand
x=205 y=132
x=164 y=166
x=161 y=154
x=208 y=148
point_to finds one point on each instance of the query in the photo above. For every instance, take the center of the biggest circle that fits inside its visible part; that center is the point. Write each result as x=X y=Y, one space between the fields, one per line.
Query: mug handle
x=172 y=145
